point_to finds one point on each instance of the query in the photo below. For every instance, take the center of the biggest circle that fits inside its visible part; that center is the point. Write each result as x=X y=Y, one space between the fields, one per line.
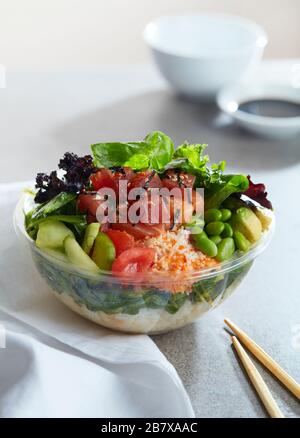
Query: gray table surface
x=42 y=115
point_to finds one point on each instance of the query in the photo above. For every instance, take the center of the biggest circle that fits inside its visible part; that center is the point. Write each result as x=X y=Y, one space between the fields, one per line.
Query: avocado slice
x=245 y=221
x=90 y=235
x=104 y=252
x=264 y=218
x=51 y=235
x=78 y=257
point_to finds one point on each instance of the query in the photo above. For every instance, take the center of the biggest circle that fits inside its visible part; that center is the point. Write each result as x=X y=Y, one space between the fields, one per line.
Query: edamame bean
x=215 y=228
x=212 y=215
x=194 y=229
x=196 y=225
x=226 y=214
x=228 y=231
x=226 y=249
x=216 y=239
x=241 y=242
x=199 y=234
x=199 y=223
x=205 y=245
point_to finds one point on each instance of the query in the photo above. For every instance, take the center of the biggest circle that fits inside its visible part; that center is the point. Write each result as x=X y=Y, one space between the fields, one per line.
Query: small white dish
x=231 y=100
x=199 y=54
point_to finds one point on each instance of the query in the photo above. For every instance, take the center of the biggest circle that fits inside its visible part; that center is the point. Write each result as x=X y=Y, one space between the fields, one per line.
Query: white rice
x=150 y=321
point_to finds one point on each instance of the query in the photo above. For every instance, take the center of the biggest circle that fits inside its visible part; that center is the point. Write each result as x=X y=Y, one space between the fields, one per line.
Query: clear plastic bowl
x=134 y=306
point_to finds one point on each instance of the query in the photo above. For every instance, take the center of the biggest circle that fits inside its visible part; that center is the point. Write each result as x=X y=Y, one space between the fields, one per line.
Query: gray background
x=56 y=34
x=44 y=114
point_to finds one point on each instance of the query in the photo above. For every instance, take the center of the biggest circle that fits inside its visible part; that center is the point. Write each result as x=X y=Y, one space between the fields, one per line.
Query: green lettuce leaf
x=190 y=158
x=217 y=192
x=54 y=204
x=62 y=207
x=218 y=187
x=193 y=154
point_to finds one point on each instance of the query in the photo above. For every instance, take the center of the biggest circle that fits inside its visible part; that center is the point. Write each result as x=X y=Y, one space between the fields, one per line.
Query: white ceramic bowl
x=201 y=53
x=230 y=98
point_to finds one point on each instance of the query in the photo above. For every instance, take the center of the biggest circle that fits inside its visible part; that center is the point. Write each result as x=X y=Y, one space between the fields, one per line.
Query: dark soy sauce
x=271 y=108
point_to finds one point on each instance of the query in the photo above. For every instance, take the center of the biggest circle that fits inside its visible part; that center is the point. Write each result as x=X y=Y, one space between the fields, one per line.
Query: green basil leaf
x=116 y=153
x=161 y=149
x=154 y=152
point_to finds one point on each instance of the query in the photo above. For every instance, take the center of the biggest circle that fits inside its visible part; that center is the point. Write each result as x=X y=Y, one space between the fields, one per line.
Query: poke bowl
x=124 y=290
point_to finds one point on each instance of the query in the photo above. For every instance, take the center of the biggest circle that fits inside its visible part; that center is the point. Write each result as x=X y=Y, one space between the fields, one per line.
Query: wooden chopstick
x=257 y=381
x=265 y=359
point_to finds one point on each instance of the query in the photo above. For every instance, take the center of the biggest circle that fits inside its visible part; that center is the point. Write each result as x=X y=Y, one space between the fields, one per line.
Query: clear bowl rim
x=152 y=277
x=261 y=39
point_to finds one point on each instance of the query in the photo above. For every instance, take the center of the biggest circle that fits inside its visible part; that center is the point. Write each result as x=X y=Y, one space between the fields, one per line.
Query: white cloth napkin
x=91 y=371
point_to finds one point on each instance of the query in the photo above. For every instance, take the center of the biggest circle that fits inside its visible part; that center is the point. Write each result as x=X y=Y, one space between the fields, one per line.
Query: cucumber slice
x=104 y=252
x=78 y=257
x=90 y=235
x=58 y=255
x=51 y=235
